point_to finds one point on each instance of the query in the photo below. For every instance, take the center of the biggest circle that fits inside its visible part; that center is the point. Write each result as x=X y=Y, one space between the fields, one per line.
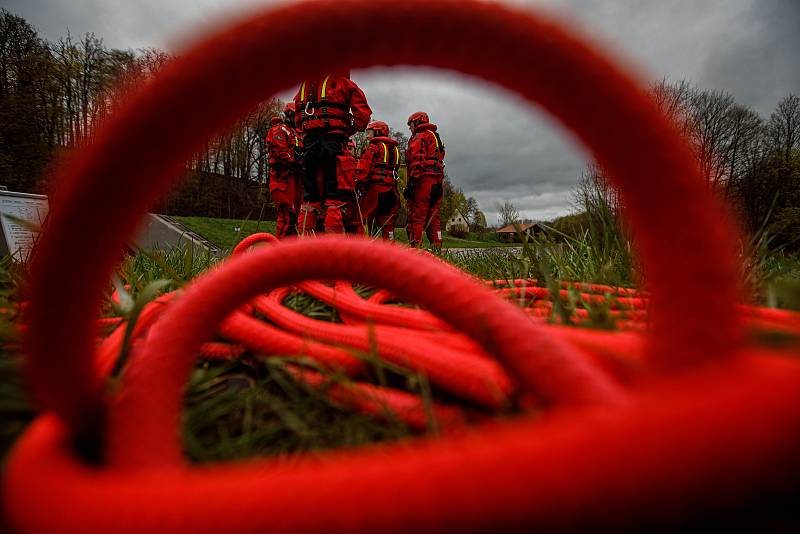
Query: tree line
x=751 y=162
x=54 y=95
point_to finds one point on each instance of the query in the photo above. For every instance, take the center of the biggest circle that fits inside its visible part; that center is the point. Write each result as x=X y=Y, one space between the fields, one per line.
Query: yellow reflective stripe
x=291 y=135
x=435 y=139
x=385 y=153
x=325 y=86
x=303 y=92
x=396 y=156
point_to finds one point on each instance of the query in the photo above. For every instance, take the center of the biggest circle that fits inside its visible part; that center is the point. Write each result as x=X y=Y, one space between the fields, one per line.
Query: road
x=511 y=250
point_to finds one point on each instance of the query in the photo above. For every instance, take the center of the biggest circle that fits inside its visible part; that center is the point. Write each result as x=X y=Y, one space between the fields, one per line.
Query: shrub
x=460 y=232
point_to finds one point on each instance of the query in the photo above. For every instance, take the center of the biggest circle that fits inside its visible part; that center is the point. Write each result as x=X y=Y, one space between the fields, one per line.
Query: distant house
x=512 y=232
x=457 y=222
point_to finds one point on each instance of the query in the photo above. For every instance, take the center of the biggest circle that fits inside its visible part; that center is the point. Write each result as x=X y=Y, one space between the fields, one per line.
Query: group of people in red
x=319 y=185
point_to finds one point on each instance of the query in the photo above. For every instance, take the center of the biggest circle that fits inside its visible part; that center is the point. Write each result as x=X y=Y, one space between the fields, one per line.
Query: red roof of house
x=514 y=228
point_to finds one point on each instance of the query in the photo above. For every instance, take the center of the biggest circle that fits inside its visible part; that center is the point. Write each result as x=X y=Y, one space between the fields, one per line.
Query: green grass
x=254 y=406
x=222 y=233
x=474 y=240
x=455 y=242
x=16 y=410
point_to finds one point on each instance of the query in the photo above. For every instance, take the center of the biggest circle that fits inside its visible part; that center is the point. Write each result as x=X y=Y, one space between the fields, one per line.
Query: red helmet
x=288 y=111
x=275 y=120
x=420 y=117
x=380 y=128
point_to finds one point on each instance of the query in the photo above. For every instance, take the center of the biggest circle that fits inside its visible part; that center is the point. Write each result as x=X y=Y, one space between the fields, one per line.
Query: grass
x=16 y=410
x=222 y=233
x=473 y=241
x=253 y=406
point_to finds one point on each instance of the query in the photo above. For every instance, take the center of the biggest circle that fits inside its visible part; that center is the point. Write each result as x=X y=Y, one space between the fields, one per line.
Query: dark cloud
x=498 y=147
x=759 y=64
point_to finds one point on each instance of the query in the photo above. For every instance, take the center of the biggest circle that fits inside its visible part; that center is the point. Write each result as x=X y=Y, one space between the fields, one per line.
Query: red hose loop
x=345 y=299
x=267 y=339
x=604 y=107
x=713 y=441
x=144 y=417
x=382 y=402
x=471 y=375
x=254 y=239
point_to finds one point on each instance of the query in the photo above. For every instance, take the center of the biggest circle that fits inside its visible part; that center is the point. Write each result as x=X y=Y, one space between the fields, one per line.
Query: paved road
x=510 y=250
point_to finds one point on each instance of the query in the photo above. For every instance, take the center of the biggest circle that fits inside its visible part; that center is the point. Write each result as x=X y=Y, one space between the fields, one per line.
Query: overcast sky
x=499 y=148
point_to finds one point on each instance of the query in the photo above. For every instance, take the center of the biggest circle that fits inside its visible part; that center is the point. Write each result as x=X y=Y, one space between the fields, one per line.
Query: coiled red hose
x=470 y=376
x=683 y=448
x=348 y=302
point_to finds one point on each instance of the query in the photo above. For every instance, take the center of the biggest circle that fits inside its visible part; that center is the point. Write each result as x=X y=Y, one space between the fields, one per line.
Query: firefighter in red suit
x=329 y=111
x=285 y=170
x=376 y=177
x=425 y=163
x=348 y=163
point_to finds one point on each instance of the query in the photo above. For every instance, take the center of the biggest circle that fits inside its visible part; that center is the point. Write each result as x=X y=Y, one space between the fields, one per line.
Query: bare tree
x=471 y=209
x=711 y=135
x=722 y=133
x=673 y=99
x=747 y=134
x=596 y=192
x=784 y=126
x=508 y=214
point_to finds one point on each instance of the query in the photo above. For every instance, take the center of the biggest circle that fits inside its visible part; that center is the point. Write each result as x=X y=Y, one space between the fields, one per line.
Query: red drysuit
x=285 y=174
x=329 y=111
x=425 y=162
x=377 y=177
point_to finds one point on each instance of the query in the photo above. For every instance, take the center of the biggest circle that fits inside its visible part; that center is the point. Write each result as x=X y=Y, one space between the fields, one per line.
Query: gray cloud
x=760 y=66
x=496 y=143
x=498 y=147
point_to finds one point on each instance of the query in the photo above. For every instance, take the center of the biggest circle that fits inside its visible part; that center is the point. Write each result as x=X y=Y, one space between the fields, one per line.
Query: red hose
x=264 y=339
x=675 y=456
x=267 y=339
x=348 y=302
x=468 y=375
x=684 y=447
x=387 y=403
x=543 y=364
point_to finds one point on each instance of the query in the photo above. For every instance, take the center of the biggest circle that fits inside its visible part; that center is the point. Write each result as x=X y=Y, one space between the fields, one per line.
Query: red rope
x=685 y=445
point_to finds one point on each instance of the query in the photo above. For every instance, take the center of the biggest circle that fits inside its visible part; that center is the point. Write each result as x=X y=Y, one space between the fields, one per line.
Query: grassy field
x=222 y=232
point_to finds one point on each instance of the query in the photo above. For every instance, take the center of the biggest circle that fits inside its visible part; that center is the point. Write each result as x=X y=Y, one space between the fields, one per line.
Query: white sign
x=20 y=215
